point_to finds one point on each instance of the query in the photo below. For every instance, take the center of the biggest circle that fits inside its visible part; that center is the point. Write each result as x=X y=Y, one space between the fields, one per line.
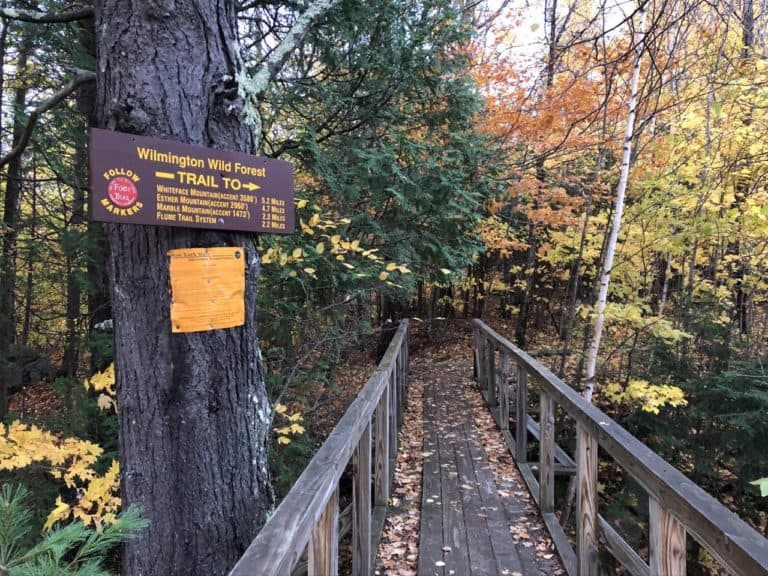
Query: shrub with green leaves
x=66 y=550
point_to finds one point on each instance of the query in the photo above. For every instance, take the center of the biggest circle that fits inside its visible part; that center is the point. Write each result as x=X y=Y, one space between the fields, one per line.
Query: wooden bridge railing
x=308 y=517
x=677 y=506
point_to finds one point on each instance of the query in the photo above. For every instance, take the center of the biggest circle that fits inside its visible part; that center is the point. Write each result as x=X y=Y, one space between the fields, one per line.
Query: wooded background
x=452 y=159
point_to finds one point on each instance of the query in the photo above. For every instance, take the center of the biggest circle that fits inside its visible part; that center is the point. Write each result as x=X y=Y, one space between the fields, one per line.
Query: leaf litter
x=398 y=551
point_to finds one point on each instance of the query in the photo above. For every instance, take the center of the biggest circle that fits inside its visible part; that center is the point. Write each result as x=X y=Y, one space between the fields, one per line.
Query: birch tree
x=618 y=210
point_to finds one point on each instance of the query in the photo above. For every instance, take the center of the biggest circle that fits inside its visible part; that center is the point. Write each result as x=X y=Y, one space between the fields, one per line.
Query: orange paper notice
x=207 y=288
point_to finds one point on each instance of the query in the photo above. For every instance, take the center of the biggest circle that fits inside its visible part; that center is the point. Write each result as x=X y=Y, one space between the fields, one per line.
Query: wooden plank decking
x=464 y=527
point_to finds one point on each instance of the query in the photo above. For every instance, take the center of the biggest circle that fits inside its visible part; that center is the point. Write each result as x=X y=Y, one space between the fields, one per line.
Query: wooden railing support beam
x=393 y=416
x=324 y=545
x=547 y=453
x=402 y=371
x=503 y=383
x=667 y=542
x=361 y=506
x=381 y=464
x=490 y=374
x=586 y=503
x=521 y=415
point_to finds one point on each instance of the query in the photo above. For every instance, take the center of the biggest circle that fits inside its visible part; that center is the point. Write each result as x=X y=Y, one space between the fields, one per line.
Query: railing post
x=407 y=354
x=480 y=361
x=402 y=370
x=503 y=390
x=490 y=375
x=398 y=388
x=393 y=415
x=521 y=415
x=381 y=476
x=361 y=506
x=494 y=379
x=324 y=544
x=546 y=453
x=586 y=503
x=667 y=542
x=476 y=351
x=481 y=344
x=406 y=366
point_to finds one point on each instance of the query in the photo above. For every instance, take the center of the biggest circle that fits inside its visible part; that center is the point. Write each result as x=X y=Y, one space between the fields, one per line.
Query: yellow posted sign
x=207 y=288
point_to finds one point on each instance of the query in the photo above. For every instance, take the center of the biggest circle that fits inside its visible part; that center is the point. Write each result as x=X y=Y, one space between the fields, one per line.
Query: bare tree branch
x=36 y=17
x=81 y=77
x=252 y=87
x=296 y=34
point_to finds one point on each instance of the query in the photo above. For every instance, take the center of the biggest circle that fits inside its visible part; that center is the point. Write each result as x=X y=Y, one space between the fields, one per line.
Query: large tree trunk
x=99 y=309
x=30 y=264
x=193 y=409
x=531 y=261
x=75 y=252
x=10 y=223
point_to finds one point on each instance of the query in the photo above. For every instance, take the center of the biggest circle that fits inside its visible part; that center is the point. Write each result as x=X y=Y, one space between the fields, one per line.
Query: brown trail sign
x=140 y=180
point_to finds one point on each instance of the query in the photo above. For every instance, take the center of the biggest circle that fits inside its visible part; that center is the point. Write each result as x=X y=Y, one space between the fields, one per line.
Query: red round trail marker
x=122 y=191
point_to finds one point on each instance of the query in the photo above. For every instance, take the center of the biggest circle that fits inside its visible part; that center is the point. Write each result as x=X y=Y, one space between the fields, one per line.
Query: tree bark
x=572 y=290
x=30 y=264
x=531 y=262
x=610 y=247
x=193 y=409
x=86 y=98
x=10 y=222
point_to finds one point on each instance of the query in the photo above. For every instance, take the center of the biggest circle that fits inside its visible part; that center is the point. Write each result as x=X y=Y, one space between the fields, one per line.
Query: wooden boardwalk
x=468 y=525
x=464 y=525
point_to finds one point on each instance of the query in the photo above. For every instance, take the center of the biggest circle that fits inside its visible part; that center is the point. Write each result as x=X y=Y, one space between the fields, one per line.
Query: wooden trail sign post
x=140 y=180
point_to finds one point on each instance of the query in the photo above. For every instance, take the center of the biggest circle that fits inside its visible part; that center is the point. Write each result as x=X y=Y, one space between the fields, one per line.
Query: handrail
x=308 y=516
x=677 y=505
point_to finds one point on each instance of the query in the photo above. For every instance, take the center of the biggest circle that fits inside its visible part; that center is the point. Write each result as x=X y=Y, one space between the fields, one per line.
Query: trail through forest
x=447 y=365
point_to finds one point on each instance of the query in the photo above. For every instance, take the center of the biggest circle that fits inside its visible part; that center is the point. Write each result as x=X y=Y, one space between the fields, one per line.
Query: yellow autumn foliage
x=104 y=384
x=285 y=253
x=650 y=397
x=70 y=460
x=293 y=428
